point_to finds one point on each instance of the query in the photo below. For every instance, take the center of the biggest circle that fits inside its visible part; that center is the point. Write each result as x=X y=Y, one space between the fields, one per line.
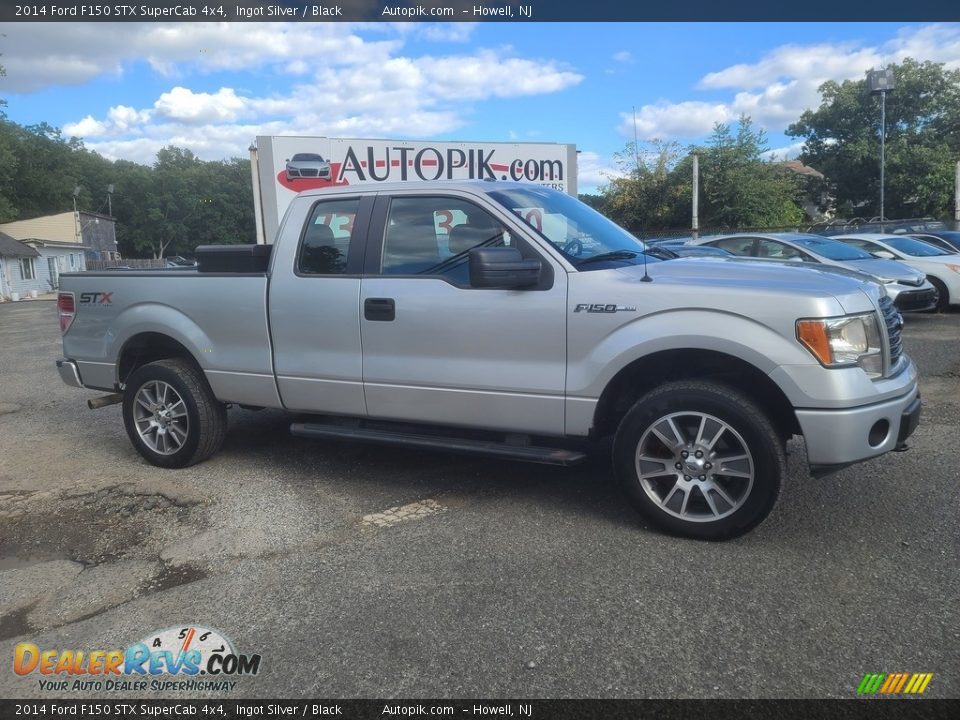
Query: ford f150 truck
x=505 y=319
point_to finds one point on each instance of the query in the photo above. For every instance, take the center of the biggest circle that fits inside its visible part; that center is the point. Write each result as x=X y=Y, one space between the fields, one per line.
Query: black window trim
x=357 y=242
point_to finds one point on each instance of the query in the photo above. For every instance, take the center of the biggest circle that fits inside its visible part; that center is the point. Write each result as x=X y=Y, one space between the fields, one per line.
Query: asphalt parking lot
x=493 y=580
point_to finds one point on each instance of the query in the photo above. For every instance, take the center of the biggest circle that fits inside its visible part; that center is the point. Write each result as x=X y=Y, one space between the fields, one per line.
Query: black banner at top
x=476 y=11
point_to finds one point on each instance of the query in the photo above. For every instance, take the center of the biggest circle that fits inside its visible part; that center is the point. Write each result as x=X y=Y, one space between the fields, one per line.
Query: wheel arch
x=643 y=374
x=148 y=347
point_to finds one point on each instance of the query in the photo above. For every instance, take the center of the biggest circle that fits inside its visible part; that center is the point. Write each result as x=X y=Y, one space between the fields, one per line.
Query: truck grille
x=894 y=323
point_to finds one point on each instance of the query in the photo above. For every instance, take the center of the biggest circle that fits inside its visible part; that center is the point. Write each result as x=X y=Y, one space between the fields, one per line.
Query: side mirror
x=885 y=254
x=502 y=268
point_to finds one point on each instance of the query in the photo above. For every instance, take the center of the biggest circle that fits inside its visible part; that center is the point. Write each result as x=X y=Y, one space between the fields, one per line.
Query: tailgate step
x=526 y=453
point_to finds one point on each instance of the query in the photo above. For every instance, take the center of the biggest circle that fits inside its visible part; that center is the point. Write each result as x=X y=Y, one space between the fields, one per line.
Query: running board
x=525 y=453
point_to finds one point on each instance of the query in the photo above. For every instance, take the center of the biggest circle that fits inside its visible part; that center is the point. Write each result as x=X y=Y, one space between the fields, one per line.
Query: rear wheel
x=171 y=415
x=699 y=459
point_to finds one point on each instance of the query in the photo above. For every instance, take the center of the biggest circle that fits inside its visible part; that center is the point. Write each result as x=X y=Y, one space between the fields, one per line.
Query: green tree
x=649 y=194
x=8 y=164
x=739 y=188
x=842 y=140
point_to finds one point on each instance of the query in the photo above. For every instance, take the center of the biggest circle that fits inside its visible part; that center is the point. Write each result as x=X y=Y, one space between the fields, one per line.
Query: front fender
x=742 y=337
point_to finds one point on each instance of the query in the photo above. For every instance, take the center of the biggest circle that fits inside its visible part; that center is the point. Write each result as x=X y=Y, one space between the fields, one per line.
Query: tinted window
x=434 y=236
x=831 y=249
x=916 y=248
x=777 y=250
x=736 y=245
x=326 y=238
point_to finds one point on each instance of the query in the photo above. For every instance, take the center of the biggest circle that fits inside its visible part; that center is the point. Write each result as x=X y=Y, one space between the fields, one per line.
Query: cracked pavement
x=363 y=571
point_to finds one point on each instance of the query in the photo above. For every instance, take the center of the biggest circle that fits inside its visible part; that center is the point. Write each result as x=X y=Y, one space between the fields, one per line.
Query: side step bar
x=526 y=453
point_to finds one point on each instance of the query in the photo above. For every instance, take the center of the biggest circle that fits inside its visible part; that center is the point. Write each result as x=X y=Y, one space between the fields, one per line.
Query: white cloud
x=184 y=105
x=667 y=120
x=776 y=89
x=787 y=152
x=377 y=93
x=88 y=127
x=40 y=55
x=624 y=56
x=594 y=170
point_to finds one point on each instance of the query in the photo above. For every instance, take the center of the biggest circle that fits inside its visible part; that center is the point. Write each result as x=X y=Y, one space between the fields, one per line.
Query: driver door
x=438 y=350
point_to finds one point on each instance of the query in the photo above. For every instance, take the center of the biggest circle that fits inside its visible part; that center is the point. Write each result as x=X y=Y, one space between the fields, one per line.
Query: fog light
x=878 y=433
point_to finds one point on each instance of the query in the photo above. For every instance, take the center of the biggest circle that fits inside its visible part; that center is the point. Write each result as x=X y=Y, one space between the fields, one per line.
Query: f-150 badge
x=602 y=308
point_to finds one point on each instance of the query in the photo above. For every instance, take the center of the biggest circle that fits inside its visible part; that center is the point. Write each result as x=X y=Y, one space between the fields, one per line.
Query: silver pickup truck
x=510 y=320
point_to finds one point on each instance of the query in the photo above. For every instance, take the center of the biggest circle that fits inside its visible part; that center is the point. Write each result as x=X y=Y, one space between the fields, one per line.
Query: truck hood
x=731 y=282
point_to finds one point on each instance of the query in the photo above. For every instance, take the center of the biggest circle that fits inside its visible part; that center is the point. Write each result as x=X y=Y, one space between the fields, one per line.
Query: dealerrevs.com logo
x=188 y=658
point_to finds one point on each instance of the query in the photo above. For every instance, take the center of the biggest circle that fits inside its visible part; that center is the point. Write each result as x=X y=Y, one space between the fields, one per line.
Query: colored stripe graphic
x=870 y=683
x=894 y=683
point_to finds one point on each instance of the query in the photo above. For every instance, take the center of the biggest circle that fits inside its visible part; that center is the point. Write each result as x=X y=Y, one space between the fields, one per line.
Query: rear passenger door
x=314 y=306
x=436 y=349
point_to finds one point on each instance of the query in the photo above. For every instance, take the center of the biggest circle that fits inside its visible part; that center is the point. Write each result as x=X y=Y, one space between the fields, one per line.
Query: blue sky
x=129 y=89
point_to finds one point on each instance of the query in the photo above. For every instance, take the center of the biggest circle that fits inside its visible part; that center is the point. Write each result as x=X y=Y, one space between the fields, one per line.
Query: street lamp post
x=880 y=82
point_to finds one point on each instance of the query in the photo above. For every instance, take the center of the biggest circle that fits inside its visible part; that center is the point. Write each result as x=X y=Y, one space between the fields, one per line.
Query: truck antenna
x=646 y=276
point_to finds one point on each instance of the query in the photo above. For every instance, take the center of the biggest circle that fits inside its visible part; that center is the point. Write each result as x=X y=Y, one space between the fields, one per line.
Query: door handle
x=379 y=309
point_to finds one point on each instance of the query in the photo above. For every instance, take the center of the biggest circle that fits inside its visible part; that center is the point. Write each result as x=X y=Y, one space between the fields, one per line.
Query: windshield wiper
x=615 y=255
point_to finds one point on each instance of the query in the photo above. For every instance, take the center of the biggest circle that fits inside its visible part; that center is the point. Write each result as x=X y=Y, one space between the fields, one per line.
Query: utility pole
x=880 y=82
x=956 y=199
x=695 y=220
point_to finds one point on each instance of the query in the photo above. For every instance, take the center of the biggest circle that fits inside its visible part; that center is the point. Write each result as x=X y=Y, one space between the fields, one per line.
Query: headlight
x=844 y=342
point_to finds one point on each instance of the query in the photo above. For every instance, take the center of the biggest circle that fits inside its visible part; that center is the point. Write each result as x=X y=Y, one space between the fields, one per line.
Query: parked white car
x=941 y=268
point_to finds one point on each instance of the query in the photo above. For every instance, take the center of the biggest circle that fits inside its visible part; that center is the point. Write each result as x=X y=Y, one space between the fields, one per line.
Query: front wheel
x=943 y=295
x=699 y=459
x=171 y=415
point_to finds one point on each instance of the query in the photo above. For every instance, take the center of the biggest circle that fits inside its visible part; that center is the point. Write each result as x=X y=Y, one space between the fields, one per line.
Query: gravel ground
x=360 y=571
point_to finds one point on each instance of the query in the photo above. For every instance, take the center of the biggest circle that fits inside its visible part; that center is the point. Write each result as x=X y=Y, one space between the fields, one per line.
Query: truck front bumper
x=842 y=437
x=69 y=372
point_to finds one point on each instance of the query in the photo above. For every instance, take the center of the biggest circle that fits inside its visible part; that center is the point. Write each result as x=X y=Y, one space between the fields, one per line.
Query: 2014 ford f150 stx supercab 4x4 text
x=506 y=319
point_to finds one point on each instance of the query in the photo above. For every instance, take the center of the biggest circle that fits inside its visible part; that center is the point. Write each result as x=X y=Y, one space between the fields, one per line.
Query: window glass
x=777 y=250
x=831 y=249
x=434 y=236
x=914 y=247
x=863 y=245
x=736 y=245
x=26 y=268
x=326 y=239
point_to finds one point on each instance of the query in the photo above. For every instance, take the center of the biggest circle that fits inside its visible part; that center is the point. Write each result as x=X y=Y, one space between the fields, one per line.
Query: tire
x=695 y=500
x=943 y=295
x=171 y=415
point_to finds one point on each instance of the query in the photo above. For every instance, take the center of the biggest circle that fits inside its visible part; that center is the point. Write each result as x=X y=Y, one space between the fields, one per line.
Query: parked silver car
x=307 y=165
x=906 y=286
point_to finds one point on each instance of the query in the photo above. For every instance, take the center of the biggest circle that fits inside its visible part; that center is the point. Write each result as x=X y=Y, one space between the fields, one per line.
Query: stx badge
x=96 y=298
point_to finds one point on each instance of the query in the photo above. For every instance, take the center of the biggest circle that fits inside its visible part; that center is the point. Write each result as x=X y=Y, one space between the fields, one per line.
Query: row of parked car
x=921 y=271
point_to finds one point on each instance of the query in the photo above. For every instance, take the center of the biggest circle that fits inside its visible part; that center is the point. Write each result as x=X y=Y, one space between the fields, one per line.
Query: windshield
x=575 y=229
x=831 y=249
x=915 y=248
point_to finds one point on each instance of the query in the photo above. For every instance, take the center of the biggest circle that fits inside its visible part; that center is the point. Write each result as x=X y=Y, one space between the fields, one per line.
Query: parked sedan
x=946 y=240
x=942 y=268
x=307 y=165
x=906 y=286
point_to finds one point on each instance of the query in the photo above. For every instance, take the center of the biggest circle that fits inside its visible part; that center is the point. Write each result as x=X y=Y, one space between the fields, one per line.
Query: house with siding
x=19 y=268
x=63 y=242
